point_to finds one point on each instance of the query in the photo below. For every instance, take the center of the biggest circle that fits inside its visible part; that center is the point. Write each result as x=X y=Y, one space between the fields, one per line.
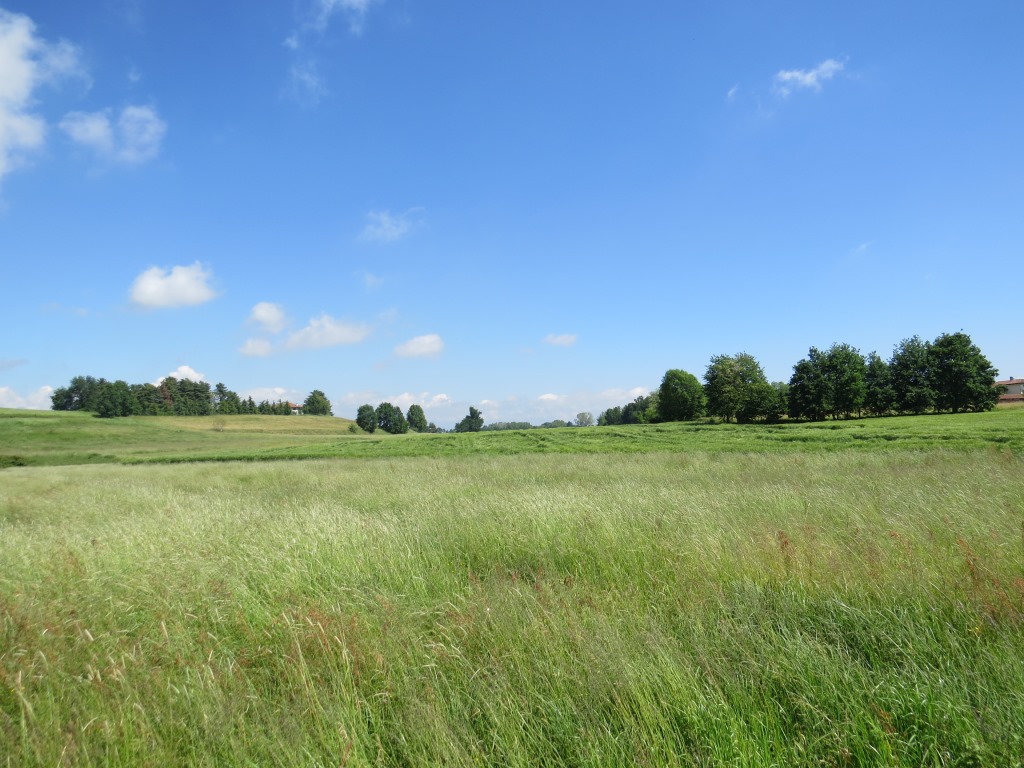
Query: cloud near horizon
x=325 y=331
x=39 y=400
x=180 y=286
x=183 y=372
x=430 y=345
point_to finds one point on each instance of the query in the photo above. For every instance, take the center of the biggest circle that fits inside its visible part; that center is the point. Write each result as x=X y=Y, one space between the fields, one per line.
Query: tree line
x=171 y=397
x=949 y=374
x=389 y=418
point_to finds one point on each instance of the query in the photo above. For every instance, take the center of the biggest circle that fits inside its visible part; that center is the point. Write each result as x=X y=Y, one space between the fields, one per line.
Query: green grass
x=706 y=607
x=35 y=438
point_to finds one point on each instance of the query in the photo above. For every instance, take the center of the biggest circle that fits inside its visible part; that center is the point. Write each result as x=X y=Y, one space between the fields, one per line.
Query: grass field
x=34 y=438
x=805 y=595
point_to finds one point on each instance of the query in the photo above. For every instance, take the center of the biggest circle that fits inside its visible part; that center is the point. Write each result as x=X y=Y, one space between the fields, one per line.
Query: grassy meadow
x=830 y=594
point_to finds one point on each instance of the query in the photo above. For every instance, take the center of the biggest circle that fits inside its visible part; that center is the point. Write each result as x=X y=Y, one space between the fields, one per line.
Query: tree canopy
x=416 y=418
x=473 y=422
x=680 y=396
x=317 y=404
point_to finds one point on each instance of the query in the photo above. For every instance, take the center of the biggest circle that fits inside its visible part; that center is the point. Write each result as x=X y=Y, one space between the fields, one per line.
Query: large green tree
x=962 y=377
x=911 y=376
x=844 y=371
x=736 y=388
x=317 y=404
x=79 y=395
x=829 y=383
x=366 y=418
x=472 y=422
x=807 y=387
x=680 y=396
x=417 y=418
x=879 y=398
x=390 y=419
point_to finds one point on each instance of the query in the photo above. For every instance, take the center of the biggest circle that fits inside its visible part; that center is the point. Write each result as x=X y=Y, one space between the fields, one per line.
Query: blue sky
x=533 y=208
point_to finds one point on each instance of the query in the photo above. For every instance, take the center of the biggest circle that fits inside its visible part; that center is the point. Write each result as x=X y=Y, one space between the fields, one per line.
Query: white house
x=1014 y=390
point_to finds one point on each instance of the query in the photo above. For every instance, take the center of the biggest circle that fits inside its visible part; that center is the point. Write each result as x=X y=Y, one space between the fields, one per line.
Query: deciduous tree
x=472 y=422
x=680 y=396
x=416 y=418
x=366 y=418
x=317 y=404
x=911 y=377
x=391 y=419
x=962 y=377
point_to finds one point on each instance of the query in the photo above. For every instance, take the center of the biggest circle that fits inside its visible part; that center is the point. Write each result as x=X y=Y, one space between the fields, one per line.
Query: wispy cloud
x=387 y=227
x=133 y=138
x=305 y=84
x=10 y=365
x=731 y=95
x=430 y=345
x=177 y=287
x=256 y=348
x=354 y=11
x=560 y=339
x=27 y=62
x=371 y=282
x=789 y=80
x=325 y=331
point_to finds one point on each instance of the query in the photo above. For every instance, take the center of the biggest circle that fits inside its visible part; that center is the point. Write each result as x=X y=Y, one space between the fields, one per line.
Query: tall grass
x=46 y=438
x=658 y=609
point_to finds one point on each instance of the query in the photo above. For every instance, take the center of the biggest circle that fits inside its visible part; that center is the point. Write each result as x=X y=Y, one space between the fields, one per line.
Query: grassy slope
x=45 y=437
x=842 y=608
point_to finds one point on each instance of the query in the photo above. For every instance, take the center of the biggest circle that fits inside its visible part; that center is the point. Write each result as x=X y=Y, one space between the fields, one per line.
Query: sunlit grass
x=45 y=438
x=851 y=607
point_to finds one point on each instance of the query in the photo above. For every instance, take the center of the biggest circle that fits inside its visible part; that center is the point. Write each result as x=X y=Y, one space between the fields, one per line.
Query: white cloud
x=354 y=10
x=183 y=372
x=256 y=348
x=272 y=394
x=560 y=340
x=386 y=227
x=424 y=399
x=181 y=286
x=550 y=398
x=26 y=62
x=36 y=401
x=731 y=95
x=325 y=331
x=133 y=138
x=268 y=316
x=789 y=80
x=92 y=130
x=430 y=345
